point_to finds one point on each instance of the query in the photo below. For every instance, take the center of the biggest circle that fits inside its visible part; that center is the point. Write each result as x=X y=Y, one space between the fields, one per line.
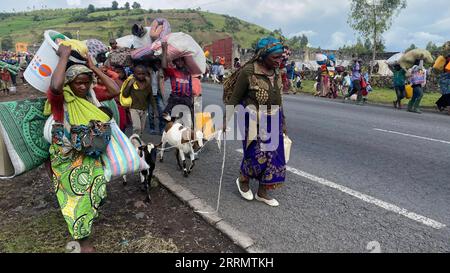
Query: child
x=399 y=85
x=139 y=87
x=5 y=81
x=346 y=84
x=181 y=83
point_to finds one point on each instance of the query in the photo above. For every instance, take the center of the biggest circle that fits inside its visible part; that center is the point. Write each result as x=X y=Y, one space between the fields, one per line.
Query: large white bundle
x=131 y=41
x=394 y=59
x=407 y=61
x=183 y=45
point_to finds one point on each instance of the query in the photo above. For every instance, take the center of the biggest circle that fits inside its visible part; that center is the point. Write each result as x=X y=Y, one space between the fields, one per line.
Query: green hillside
x=205 y=27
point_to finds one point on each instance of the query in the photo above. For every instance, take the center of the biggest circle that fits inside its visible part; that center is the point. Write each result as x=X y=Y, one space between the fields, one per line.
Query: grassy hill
x=205 y=27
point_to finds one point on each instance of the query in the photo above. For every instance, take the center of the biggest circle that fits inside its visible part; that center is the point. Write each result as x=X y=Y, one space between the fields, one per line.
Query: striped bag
x=121 y=157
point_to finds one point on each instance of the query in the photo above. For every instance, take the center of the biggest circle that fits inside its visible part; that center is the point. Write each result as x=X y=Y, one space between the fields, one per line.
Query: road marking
x=408 y=135
x=366 y=198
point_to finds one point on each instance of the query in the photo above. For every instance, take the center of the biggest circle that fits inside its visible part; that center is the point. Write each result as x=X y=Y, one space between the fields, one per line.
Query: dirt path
x=30 y=219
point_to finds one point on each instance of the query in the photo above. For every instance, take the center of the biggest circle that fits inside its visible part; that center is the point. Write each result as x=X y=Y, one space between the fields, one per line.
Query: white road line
x=366 y=198
x=408 y=135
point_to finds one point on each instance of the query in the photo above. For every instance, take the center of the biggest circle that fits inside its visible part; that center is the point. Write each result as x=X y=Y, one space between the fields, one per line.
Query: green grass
x=381 y=95
x=22 y=28
x=47 y=233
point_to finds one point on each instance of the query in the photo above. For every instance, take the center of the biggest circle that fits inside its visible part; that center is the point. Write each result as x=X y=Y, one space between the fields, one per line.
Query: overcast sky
x=323 y=21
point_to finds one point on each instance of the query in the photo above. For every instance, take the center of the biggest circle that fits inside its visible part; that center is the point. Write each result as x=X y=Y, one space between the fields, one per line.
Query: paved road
x=357 y=174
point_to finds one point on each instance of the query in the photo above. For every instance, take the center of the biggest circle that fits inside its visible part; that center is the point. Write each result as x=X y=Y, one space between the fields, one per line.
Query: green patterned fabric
x=22 y=123
x=113 y=106
x=80 y=187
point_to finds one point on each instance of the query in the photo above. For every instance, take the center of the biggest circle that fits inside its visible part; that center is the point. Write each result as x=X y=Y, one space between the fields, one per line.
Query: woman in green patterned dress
x=79 y=136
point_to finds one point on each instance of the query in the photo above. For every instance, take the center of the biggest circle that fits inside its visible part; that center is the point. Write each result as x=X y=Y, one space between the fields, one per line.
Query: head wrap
x=76 y=70
x=269 y=45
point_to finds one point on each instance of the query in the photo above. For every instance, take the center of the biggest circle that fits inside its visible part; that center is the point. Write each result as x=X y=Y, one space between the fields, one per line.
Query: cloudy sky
x=323 y=21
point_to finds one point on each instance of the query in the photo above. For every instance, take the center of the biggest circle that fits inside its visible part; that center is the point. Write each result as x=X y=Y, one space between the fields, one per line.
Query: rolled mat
x=14 y=69
x=22 y=125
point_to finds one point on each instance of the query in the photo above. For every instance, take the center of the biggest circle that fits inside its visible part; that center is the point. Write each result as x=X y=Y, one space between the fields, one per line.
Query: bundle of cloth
x=96 y=47
x=409 y=59
x=394 y=59
x=159 y=29
x=79 y=48
x=141 y=37
x=14 y=69
x=22 y=129
x=182 y=45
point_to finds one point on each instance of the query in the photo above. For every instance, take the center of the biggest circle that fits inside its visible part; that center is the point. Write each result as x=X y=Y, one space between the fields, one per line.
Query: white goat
x=183 y=140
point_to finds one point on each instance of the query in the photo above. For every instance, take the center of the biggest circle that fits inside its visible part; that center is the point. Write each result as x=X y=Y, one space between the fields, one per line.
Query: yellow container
x=204 y=123
x=409 y=91
x=440 y=63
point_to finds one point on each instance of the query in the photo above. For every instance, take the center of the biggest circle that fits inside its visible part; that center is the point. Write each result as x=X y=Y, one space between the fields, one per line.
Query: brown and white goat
x=184 y=140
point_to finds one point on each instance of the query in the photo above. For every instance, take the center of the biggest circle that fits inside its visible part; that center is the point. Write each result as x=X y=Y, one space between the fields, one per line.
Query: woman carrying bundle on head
x=258 y=86
x=80 y=135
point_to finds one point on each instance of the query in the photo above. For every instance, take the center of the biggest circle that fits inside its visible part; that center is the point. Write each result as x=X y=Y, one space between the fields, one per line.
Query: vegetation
x=381 y=95
x=373 y=18
x=104 y=23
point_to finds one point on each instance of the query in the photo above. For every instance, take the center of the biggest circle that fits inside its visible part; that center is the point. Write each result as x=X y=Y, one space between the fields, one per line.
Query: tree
x=7 y=43
x=136 y=5
x=297 y=42
x=432 y=47
x=115 y=5
x=372 y=18
x=368 y=45
x=91 y=8
x=304 y=41
x=127 y=6
x=411 y=47
x=359 y=48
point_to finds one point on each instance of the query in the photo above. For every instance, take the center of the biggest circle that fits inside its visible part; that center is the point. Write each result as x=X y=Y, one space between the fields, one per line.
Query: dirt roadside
x=31 y=222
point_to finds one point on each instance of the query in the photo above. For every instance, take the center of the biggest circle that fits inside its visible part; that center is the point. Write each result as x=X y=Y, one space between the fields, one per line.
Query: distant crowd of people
x=12 y=67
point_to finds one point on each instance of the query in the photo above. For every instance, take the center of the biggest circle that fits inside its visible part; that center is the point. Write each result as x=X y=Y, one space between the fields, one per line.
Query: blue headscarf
x=269 y=45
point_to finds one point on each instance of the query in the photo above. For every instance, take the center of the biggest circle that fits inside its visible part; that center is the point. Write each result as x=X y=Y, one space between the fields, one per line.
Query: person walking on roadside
x=418 y=81
x=157 y=78
x=356 y=81
x=444 y=84
x=259 y=85
x=181 y=83
x=399 y=85
x=221 y=70
x=215 y=72
x=139 y=87
x=75 y=168
x=5 y=81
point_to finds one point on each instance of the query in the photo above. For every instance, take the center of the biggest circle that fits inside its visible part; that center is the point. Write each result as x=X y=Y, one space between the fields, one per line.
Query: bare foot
x=86 y=246
x=244 y=184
